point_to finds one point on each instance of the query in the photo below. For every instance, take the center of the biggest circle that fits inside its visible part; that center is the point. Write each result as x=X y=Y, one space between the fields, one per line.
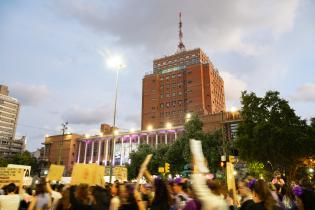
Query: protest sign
x=55 y=172
x=91 y=174
x=27 y=180
x=11 y=175
x=230 y=178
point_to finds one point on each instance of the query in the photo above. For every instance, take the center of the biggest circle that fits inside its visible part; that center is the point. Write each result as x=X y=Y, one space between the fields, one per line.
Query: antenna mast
x=181 y=46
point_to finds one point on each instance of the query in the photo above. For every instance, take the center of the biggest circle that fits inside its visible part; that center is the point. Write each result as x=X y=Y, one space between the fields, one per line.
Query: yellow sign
x=232 y=159
x=55 y=172
x=167 y=167
x=91 y=174
x=230 y=178
x=119 y=172
x=161 y=169
x=11 y=175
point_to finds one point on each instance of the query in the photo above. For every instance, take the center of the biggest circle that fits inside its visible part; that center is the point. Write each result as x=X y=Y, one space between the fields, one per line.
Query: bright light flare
x=150 y=128
x=115 y=62
x=116 y=132
x=168 y=125
x=234 y=109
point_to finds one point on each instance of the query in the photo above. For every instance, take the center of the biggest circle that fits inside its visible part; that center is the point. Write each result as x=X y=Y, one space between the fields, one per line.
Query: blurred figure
x=305 y=198
x=42 y=199
x=81 y=197
x=288 y=198
x=262 y=197
x=115 y=201
x=181 y=198
x=127 y=199
x=10 y=201
x=64 y=202
x=245 y=193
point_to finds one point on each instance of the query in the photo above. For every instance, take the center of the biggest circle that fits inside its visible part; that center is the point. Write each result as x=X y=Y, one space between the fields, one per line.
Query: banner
x=27 y=180
x=55 y=172
x=91 y=174
x=11 y=175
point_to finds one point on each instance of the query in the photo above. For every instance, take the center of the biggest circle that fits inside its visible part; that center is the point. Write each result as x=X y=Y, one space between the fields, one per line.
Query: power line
x=35 y=127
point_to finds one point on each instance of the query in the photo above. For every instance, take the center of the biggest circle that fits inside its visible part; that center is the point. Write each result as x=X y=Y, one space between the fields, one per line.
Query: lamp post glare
x=114 y=62
x=168 y=125
x=150 y=128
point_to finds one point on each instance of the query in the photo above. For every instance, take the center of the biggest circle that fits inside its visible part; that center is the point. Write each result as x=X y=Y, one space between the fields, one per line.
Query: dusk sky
x=53 y=55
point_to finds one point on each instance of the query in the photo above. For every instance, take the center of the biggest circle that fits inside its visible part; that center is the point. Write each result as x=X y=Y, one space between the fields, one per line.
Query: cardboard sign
x=55 y=172
x=91 y=174
x=27 y=180
x=230 y=178
x=11 y=175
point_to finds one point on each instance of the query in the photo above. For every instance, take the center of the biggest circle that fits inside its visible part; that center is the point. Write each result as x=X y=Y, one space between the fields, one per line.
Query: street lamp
x=114 y=62
x=168 y=125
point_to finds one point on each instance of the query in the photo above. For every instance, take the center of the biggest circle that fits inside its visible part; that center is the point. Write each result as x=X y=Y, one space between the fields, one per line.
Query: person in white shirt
x=11 y=201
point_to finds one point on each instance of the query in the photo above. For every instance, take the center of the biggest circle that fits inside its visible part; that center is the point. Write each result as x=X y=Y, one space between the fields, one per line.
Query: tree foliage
x=178 y=154
x=24 y=158
x=271 y=131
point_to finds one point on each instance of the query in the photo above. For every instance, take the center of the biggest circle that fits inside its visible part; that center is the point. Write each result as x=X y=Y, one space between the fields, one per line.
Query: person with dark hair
x=42 y=200
x=288 y=198
x=80 y=197
x=64 y=202
x=181 y=198
x=10 y=201
x=115 y=201
x=262 y=196
x=305 y=198
x=128 y=201
x=245 y=193
x=162 y=198
x=102 y=198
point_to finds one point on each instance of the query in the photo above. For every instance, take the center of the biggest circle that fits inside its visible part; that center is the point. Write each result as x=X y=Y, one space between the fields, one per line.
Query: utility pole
x=64 y=128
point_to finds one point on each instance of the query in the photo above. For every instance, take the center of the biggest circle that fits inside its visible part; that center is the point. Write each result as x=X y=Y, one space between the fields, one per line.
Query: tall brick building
x=186 y=82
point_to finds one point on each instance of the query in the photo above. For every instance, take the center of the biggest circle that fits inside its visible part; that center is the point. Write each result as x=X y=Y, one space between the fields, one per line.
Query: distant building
x=9 y=111
x=63 y=146
x=39 y=154
x=186 y=82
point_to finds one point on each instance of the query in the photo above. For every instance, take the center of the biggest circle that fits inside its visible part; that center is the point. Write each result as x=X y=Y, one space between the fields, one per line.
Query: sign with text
x=27 y=180
x=91 y=174
x=11 y=175
x=55 y=172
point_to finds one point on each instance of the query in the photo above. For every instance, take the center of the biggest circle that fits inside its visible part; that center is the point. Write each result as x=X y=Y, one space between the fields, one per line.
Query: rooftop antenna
x=181 y=46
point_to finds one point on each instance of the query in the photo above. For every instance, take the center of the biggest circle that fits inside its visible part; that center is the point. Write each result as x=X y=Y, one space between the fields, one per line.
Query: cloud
x=87 y=116
x=30 y=95
x=242 y=26
x=233 y=86
x=305 y=93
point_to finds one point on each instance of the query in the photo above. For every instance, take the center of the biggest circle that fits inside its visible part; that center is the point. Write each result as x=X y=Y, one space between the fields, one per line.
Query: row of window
x=6 y=120
x=7 y=115
x=175 y=60
x=9 y=110
x=173 y=103
x=162 y=114
x=172 y=76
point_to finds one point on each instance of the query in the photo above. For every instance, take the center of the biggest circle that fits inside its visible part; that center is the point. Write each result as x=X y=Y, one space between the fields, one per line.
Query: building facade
x=96 y=149
x=186 y=82
x=9 y=112
x=62 y=147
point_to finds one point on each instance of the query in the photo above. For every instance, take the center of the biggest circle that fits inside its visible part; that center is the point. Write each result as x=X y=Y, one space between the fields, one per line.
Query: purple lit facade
x=96 y=149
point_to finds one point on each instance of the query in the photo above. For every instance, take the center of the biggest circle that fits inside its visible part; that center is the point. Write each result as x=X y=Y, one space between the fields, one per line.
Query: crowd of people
x=196 y=193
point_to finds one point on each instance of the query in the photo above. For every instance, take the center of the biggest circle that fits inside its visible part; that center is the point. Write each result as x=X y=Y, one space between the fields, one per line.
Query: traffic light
x=167 y=167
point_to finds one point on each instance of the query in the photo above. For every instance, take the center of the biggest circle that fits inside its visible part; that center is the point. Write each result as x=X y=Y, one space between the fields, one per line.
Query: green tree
x=26 y=158
x=178 y=154
x=271 y=131
x=136 y=158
